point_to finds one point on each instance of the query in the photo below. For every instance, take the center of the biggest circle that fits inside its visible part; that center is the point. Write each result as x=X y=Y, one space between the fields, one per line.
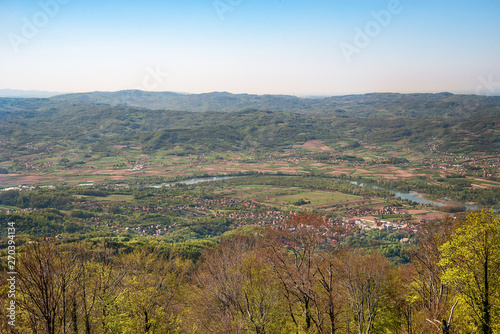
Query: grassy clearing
x=317 y=197
x=285 y=197
x=7 y=207
x=120 y=198
x=258 y=193
x=110 y=198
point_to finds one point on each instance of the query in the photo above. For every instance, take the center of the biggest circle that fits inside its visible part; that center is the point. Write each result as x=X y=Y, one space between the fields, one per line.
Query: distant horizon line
x=20 y=92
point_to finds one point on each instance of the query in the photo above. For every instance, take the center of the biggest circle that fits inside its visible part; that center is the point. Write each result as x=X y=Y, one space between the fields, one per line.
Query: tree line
x=285 y=279
x=454 y=188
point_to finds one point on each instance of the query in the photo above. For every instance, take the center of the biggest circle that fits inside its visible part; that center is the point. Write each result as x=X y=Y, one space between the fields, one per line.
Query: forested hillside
x=291 y=277
x=447 y=122
x=367 y=105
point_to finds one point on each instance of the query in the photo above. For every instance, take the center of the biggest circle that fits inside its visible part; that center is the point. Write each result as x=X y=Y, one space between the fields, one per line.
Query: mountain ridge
x=361 y=104
x=452 y=122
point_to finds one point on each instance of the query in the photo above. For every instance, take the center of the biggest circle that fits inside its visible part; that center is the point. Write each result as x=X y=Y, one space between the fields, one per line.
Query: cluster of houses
x=150 y=230
x=242 y=218
x=444 y=163
x=30 y=165
x=197 y=204
x=386 y=210
x=138 y=167
x=22 y=210
x=369 y=223
x=25 y=187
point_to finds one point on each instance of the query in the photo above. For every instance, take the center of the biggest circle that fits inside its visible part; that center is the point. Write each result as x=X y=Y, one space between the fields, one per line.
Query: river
x=193 y=181
x=410 y=196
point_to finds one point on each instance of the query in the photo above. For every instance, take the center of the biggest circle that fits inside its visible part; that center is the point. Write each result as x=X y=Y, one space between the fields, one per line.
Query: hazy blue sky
x=251 y=46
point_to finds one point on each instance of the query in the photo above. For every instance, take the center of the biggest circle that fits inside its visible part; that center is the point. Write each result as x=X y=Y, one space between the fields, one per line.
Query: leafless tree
x=293 y=247
x=329 y=279
x=364 y=278
x=238 y=289
x=99 y=278
x=46 y=275
x=434 y=295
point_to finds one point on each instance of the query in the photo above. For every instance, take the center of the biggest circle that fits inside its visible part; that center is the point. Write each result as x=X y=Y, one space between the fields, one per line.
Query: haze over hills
x=367 y=105
x=224 y=121
x=27 y=93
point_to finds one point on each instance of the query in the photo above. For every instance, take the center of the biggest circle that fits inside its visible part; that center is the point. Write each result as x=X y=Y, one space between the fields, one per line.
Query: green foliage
x=37 y=198
x=40 y=223
x=350 y=158
x=459 y=191
x=381 y=105
x=31 y=126
x=278 y=280
x=300 y=202
x=310 y=183
x=472 y=262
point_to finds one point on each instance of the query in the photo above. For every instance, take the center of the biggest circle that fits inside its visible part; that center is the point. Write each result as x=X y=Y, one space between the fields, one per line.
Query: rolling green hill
x=455 y=123
x=367 y=105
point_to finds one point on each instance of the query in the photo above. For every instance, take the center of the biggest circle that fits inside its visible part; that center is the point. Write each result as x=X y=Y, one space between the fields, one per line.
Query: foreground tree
x=364 y=278
x=331 y=295
x=97 y=286
x=46 y=274
x=472 y=261
x=237 y=293
x=149 y=299
x=431 y=298
x=292 y=252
